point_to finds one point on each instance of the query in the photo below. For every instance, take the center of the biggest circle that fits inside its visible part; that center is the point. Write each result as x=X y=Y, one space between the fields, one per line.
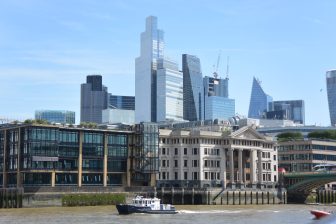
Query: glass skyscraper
x=169 y=91
x=152 y=49
x=56 y=116
x=94 y=99
x=193 y=90
x=260 y=102
x=331 y=91
x=217 y=105
x=122 y=102
x=290 y=110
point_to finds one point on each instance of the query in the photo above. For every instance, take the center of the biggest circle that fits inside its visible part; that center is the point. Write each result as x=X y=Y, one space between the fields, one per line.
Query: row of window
x=194 y=141
x=165 y=151
x=165 y=176
x=307 y=156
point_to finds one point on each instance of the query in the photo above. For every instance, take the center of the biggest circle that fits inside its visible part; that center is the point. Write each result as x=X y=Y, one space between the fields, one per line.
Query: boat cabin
x=154 y=203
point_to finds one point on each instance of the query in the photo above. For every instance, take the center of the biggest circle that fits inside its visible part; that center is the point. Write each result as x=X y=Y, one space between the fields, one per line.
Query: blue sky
x=48 y=47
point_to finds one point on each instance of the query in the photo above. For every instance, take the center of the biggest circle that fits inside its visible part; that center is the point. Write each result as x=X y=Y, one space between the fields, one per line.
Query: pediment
x=247 y=133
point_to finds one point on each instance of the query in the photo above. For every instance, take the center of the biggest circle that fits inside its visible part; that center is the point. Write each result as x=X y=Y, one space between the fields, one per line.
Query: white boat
x=141 y=204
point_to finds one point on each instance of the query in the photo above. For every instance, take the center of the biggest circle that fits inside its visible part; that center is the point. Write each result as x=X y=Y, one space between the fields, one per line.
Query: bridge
x=300 y=185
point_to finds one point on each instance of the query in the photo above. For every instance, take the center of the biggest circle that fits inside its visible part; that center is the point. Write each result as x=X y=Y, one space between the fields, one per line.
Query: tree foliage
x=328 y=134
x=88 y=125
x=288 y=136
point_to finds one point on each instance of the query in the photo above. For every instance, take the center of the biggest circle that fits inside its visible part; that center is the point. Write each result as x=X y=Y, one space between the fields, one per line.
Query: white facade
x=242 y=159
x=169 y=91
x=116 y=116
x=152 y=48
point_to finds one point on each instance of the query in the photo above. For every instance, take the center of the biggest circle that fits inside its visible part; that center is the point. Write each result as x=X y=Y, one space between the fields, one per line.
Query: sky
x=47 y=48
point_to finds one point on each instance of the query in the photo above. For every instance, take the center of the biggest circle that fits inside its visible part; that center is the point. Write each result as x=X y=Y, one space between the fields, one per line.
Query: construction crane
x=215 y=73
x=227 y=67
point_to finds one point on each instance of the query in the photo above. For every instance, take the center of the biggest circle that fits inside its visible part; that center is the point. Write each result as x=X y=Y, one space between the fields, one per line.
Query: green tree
x=328 y=134
x=288 y=136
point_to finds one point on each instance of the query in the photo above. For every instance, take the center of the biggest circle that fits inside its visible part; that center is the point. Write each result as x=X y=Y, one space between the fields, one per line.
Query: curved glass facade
x=259 y=102
x=331 y=91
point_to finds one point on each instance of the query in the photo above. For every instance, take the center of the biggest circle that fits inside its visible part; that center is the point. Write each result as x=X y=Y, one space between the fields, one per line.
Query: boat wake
x=208 y=212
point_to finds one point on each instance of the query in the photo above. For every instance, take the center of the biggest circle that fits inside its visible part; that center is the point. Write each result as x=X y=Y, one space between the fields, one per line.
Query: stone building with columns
x=196 y=158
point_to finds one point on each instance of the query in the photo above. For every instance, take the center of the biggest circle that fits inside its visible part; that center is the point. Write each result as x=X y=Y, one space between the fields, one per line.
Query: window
x=218 y=163
x=185 y=163
x=195 y=151
x=175 y=163
x=274 y=157
x=175 y=174
x=185 y=151
x=163 y=163
x=206 y=175
x=195 y=177
x=205 y=151
x=176 y=151
x=186 y=175
x=274 y=168
x=195 y=163
x=163 y=151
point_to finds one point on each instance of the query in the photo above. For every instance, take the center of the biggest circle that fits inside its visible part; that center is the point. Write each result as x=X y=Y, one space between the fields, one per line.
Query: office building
x=217 y=105
x=58 y=156
x=56 y=116
x=303 y=155
x=169 y=91
x=287 y=110
x=259 y=102
x=122 y=102
x=331 y=91
x=193 y=90
x=94 y=99
x=152 y=49
x=118 y=116
x=241 y=159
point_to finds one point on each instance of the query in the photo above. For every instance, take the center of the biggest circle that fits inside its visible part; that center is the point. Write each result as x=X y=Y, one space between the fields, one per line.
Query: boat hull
x=319 y=214
x=125 y=209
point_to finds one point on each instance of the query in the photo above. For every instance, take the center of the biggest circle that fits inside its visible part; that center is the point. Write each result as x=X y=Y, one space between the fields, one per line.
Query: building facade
x=302 y=156
x=331 y=92
x=217 y=105
x=259 y=102
x=288 y=110
x=152 y=49
x=169 y=91
x=241 y=159
x=193 y=90
x=56 y=116
x=118 y=116
x=122 y=102
x=94 y=99
x=48 y=155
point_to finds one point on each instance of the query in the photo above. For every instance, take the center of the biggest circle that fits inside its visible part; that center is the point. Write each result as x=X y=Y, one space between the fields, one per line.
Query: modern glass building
x=152 y=49
x=56 y=116
x=46 y=155
x=94 y=99
x=259 y=102
x=288 y=110
x=122 y=102
x=331 y=91
x=221 y=108
x=193 y=90
x=169 y=91
x=217 y=105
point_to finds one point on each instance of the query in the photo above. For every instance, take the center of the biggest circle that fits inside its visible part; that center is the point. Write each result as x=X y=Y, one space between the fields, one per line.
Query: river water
x=212 y=214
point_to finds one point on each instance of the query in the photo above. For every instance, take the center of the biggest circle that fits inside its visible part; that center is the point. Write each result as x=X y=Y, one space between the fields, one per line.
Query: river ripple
x=213 y=214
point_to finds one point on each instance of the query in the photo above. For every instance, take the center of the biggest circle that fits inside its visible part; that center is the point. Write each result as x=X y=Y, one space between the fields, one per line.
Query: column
x=80 y=158
x=231 y=167
x=253 y=166
x=53 y=177
x=18 y=174
x=224 y=168
x=259 y=167
x=105 y=160
x=240 y=165
x=4 y=173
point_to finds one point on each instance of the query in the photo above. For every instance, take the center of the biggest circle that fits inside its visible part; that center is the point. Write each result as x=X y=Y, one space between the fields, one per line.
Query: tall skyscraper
x=216 y=101
x=122 y=102
x=287 y=110
x=152 y=49
x=193 y=90
x=56 y=116
x=259 y=102
x=331 y=92
x=169 y=91
x=94 y=99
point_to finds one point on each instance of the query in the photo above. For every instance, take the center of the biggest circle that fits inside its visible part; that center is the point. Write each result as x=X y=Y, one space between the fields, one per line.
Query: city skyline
x=47 y=49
